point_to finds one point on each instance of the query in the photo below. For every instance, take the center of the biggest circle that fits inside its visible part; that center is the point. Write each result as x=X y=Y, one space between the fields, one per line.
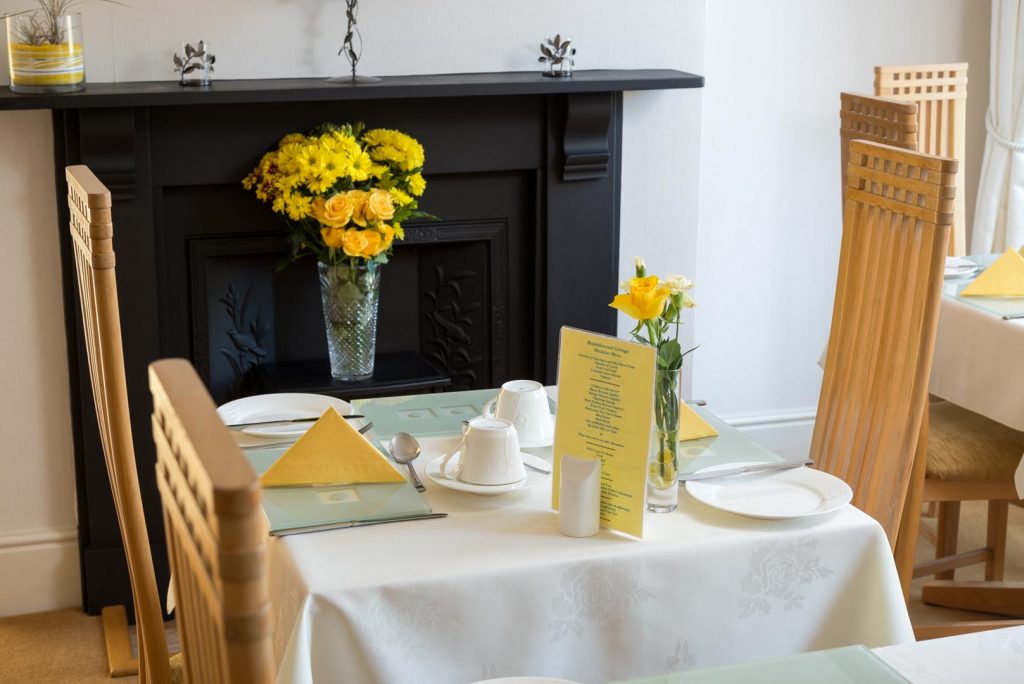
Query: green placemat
x=294 y=510
x=730 y=446
x=848 y=665
x=998 y=306
x=424 y=415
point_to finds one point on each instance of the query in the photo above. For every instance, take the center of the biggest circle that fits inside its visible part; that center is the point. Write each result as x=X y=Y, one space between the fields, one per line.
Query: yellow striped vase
x=48 y=67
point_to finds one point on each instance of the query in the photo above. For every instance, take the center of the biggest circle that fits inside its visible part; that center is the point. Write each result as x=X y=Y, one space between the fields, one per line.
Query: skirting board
x=787 y=433
x=40 y=571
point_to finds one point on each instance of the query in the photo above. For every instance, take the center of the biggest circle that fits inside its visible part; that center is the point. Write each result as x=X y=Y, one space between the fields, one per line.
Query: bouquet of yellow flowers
x=344 y=191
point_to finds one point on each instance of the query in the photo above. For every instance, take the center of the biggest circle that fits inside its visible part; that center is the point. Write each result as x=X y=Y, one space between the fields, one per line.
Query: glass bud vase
x=663 y=463
x=45 y=52
x=350 y=296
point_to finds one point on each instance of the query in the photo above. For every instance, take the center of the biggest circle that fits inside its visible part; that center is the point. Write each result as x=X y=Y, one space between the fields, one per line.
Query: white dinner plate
x=532 y=479
x=284 y=406
x=778 y=495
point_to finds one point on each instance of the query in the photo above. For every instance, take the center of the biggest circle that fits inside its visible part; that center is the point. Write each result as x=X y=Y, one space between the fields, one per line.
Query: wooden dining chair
x=896 y=221
x=875 y=119
x=92 y=239
x=216 y=533
x=940 y=92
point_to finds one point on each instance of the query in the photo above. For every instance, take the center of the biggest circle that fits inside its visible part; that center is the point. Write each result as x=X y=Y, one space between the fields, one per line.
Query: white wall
x=770 y=214
x=295 y=38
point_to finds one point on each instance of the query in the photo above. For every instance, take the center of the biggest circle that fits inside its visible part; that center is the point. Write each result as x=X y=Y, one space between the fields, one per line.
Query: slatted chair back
x=215 y=532
x=940 y=91
x=92 y=239
x=895 y=226
x=876 y=119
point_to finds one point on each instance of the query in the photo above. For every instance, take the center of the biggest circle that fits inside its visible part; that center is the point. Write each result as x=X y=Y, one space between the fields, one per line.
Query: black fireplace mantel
x=524 y=171
x=169 y=93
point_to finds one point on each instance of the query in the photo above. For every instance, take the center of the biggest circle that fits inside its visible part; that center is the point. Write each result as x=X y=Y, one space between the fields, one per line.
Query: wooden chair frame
x=898 y=212
x=875 y=119
x=216 y=533
x=940 y=91
x=92 y=239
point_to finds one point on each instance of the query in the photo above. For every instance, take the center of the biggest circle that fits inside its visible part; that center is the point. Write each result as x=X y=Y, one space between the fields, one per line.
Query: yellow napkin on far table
x=1004 y=278
x=692 y=426
x=330 y=452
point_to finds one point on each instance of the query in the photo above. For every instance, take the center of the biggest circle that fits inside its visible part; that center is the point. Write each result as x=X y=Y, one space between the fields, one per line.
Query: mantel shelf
x=169 y=93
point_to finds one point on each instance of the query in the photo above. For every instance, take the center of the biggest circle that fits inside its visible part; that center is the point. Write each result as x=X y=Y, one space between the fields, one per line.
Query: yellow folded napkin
x=692 y=426
x=331 y=452
x=1004 y=278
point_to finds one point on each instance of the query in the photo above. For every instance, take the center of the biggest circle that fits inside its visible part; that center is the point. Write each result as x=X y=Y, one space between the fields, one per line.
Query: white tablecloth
x=495 y=590
x=979 y=365
x=993 y=657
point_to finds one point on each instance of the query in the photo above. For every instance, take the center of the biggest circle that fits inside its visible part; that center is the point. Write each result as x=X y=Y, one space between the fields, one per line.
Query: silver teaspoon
x=405 y=449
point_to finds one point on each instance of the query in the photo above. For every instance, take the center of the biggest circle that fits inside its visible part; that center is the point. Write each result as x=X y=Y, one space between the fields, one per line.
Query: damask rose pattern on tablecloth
x=595 y=595
x=395 y=619
x=777 y=571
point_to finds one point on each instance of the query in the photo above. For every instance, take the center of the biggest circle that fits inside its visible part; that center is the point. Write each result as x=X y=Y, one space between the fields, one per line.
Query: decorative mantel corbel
x=586 y=143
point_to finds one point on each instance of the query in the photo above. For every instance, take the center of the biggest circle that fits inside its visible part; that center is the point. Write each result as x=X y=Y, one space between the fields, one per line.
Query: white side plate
x=284 y=406
x=779 y=495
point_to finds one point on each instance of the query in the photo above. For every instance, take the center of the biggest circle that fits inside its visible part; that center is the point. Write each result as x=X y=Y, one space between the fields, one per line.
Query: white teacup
x=488 y=454
x=525 y=404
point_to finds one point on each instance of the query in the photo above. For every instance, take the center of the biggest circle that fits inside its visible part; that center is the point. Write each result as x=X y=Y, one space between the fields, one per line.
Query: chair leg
x=119 y=647
x=905 y=547
x=996 y=539
x=947 y=529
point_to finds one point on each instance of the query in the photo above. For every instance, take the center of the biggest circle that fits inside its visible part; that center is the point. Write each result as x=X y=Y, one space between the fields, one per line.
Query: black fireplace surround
x=523 y=171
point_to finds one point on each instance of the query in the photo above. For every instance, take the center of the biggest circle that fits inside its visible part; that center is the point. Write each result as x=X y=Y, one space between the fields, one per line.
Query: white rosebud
x=640 y=266
x=676 y=284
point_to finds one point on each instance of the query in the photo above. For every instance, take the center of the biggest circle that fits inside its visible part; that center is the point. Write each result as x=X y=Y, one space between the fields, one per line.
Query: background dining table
x=495 y=590
x=979 y=357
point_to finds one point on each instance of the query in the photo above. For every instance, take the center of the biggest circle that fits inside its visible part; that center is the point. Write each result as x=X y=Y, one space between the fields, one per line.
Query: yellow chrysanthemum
x=360 y=167
x=417 y=184
x=400 y=197
x=396 y=147
x=298 y=206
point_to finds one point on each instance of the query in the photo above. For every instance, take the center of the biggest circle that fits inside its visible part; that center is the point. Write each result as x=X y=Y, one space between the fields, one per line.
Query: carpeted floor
x=67 y=645
x=59 y=646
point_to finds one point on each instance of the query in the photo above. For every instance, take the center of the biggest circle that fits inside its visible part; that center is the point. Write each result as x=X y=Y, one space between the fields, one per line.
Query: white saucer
x=778 y=495
x=283 y=406
x=433 y=471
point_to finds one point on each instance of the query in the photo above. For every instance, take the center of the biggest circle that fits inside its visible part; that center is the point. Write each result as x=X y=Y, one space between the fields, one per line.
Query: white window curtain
x=999 y=215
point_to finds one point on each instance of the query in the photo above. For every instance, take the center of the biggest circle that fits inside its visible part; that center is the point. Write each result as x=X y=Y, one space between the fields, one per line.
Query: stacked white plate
x=958 y=267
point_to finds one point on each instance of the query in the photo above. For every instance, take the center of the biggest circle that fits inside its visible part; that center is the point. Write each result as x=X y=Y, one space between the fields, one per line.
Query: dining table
x=495 y=590
x=979 y=355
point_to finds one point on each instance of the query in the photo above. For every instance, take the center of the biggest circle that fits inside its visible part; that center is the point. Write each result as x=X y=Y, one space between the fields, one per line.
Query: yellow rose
x=374 y=244
x=333 y=237
x=358 y=198
x=354 y=242
x=379 y=206
x=645 y=300
x=336 y=211
x=388 y=236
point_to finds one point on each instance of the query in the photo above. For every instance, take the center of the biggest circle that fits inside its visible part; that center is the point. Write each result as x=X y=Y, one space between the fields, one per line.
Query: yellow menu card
x=605 y=404
x=330 y=452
